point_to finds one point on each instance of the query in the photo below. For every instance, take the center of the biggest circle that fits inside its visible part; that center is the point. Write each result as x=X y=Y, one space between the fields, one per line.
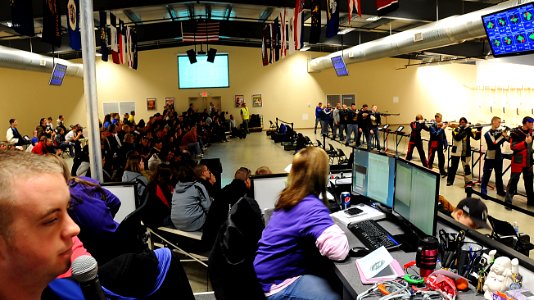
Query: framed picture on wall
x=256 y=100
x=150 y=103
x=169 y=101
x=238 y=100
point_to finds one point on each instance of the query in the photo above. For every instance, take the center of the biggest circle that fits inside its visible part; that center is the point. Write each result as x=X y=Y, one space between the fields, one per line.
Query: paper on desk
x=374 y=262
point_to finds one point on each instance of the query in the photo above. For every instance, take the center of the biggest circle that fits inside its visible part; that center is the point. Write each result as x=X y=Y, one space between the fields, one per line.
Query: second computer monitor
x=373 y=176
x=416 y=192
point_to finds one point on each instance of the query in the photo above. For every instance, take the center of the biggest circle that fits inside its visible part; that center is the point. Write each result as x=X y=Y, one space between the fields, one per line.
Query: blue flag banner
x=73 y=22
x=332 y=16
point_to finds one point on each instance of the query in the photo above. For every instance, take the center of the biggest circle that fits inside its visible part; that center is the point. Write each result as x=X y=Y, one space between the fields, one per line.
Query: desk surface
x=348 y=273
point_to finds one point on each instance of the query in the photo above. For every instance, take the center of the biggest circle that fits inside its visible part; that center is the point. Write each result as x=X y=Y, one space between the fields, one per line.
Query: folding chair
x=341 y=157
x=332 y=153
x=165 y=234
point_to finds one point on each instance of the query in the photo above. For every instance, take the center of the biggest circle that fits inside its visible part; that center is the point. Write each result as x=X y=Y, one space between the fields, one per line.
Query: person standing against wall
x=245 y=115
x=318 y=112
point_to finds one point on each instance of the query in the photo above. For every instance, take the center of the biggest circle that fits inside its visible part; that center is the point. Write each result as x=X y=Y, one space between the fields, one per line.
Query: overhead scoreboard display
x=511 y=31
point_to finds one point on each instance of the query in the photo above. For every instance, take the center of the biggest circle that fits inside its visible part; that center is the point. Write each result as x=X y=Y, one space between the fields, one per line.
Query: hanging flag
x=134 y=49
x=283 y=44
x=386 y=6
x=271 y=49
x=315 y=30
x=51 y=23
x=200 y=31
x=352 y=4
x=120 y=40
x=22 y=17
x=332 y=17
x=103 y=35
x=73 y=22
x=113 y=39
x=276 y=29
x=291 y=33
x=298 y=25
x=265 y=45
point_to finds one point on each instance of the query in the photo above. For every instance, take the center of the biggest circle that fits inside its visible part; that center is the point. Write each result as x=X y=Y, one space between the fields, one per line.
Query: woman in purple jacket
x=300 y=219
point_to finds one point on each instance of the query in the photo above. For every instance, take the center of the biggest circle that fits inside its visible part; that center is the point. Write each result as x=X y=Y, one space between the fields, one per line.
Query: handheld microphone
x=85 y=271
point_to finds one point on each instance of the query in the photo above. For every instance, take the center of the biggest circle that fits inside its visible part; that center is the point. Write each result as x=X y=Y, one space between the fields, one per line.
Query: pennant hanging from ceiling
x=103 y=35
x=120 y=40
x=315 y=30
x=332 y=17
x=51 y=23
x=113 y=39
x=386 y=6
x=265 y=45
x=352 y=4
x=298 y=25
x=134 y=49
x=276 y=29
x=283 y=30
x=73 y=22
x=291 y=33
x=22 y=17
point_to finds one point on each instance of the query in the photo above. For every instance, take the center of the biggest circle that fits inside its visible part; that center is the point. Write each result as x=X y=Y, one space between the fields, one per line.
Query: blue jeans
x=317 y=121
x=350 y=129
x=307 y=287
x=324 y=127
x=376 y=137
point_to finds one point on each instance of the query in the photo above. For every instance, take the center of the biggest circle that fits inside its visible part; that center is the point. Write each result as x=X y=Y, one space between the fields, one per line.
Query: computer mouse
x=358 y=252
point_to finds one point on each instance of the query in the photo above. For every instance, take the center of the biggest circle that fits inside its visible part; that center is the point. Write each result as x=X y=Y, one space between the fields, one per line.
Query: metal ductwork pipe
x=18 y=59
x=449 y=31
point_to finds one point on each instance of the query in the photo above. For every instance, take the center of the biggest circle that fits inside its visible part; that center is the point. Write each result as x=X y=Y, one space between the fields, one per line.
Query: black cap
x=528 y=120
x=477 y=211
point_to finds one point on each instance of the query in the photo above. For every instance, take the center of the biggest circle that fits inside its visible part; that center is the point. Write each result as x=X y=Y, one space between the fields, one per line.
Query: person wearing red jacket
x=521 y=144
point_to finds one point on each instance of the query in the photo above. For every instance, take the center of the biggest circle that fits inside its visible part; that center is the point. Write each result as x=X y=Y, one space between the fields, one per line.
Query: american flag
x=200 y=31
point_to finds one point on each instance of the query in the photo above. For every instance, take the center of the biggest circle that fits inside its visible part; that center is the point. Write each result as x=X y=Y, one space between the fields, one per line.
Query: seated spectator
x=29 y=267
x=291 y=261
x=471 y=212
x=263 y=170
x=132 y=173
x=13 y=135
x=219 y=209
x=207 y=179
x=190 y=139
x=74 y=136
x=160 y=190
x=45 y=146
x=190 y=201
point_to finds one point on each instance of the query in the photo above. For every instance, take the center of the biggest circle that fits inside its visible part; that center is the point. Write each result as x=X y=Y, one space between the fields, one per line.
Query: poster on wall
x=256 y=100
x=239 y=99
x=169 y=102
x=150 y=103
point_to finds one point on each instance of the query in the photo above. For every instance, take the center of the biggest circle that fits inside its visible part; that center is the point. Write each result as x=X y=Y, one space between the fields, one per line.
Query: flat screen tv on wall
x=510 y=31
x=203 y=74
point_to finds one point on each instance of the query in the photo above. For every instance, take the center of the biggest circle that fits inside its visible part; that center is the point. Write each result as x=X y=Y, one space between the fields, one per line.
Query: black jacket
x=231 y=261
x=219 y=209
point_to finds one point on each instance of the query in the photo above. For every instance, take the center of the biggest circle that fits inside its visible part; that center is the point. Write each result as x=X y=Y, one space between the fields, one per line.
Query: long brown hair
x=308 y=175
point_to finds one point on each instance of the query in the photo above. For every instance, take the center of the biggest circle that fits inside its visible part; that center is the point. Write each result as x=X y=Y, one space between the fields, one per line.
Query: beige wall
x=27 y=97
x=288 y=91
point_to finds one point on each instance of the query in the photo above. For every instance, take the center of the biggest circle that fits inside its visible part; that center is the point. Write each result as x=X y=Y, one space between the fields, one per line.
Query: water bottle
x=516 y=228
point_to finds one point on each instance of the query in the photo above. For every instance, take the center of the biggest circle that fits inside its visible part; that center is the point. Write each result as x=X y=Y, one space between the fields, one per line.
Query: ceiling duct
x=449 y=31
x=23 y=60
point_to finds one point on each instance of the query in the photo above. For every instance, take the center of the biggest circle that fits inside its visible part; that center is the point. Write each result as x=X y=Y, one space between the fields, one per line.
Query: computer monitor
x=373 y=176
x=339 y=66
x=416 y=195
x=267 y=189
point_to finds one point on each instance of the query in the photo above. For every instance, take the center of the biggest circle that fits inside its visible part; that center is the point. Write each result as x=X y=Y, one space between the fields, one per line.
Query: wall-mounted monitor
x=339 y=66
x=203 y=74
x=511 y=31
x=58 y=73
